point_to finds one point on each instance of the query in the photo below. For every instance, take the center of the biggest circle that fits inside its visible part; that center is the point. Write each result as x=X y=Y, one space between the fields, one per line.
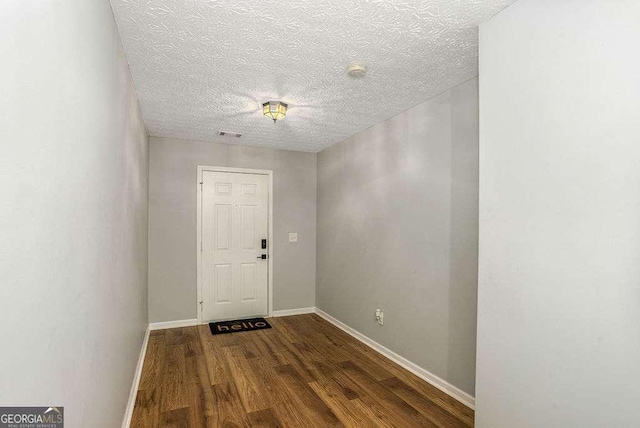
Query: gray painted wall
x=559 y=282
x=73 y=217
x=172 y=222
x=397 y=229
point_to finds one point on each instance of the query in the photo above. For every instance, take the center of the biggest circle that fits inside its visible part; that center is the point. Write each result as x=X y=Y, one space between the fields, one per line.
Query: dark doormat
x=237 y=326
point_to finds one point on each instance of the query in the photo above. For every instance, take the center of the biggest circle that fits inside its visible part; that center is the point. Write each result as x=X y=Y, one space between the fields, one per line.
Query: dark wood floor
x=302 y=373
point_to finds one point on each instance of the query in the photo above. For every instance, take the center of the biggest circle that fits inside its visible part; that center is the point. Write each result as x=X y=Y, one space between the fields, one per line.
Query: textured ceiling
x=201 y=66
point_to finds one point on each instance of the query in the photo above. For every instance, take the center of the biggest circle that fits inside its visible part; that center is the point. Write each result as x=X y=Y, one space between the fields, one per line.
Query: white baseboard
x=298 y=311
x=172 y=324
x=423 y=374
x=136 y=382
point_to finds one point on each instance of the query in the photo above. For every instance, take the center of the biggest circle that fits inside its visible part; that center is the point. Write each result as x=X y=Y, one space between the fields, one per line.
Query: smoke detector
x=356 y=70
x=229 y=134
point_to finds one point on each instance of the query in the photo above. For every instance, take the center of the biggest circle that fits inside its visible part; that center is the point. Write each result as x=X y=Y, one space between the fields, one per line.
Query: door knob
x=263 y=256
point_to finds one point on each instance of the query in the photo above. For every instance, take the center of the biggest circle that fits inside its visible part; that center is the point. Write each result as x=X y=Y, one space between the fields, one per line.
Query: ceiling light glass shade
x=274 y=110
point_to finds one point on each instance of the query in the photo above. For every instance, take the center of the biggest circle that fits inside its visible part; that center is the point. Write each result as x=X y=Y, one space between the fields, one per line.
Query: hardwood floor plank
x=443 y=400
x=250 y=390
x=378 y=415
x=302 y=393
x=289 y=414
x=228 y=406
x=304 y=372
x=268 y=380
x=146 y=412
x=367 y=404
x=264 y=419
x=173 y=388
x=217 y=366
x=274 y=338
x=178 y=418
x=450 y=404
x=175 y=336
x=284 y=330
x=266 y=349
x=153 y=362
x=371 y=389
x=201 y=402
x=332 y=395
x=374 y=369
x=192 y=346
x=433 y=412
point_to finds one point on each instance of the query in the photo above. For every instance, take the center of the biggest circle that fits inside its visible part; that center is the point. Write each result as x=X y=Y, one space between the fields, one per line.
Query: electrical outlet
x=379 y=316
x=293 y=237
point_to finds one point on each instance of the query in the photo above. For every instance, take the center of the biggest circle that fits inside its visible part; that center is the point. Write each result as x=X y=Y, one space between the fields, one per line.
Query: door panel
x=234 y=221
x=222 y=228
x=249 y=278
x=222 y=283
x=248 y=227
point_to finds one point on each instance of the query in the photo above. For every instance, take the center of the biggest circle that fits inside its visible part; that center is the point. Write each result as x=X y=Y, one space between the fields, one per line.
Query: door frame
x=199 y=181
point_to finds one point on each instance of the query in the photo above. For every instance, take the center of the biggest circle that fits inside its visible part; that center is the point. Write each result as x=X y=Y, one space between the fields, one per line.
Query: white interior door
x=234 y=223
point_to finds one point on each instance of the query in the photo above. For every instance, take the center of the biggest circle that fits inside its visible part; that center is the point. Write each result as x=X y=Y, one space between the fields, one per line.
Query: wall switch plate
x=379 y=316
x=293 y=237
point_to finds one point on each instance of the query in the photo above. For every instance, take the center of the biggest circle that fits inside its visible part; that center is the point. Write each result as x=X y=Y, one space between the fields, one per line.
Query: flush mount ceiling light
x=356 y=70
x=275 y=110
